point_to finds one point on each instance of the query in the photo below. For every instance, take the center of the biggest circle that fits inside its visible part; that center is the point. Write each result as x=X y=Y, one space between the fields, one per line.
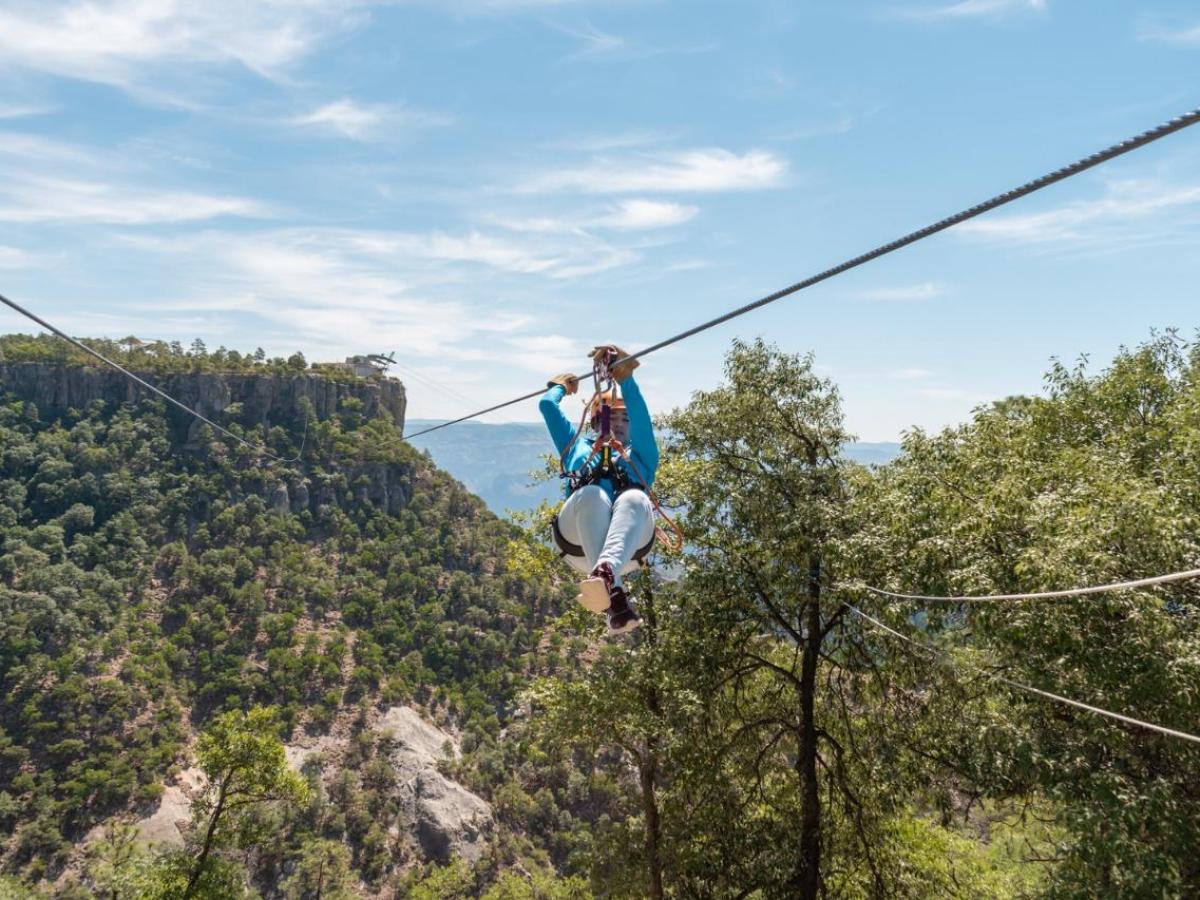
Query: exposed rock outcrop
x=445 y=819
x=448 y=820
x=165 y=825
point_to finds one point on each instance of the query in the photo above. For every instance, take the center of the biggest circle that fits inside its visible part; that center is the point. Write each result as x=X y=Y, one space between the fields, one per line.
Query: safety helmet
x=612 y=398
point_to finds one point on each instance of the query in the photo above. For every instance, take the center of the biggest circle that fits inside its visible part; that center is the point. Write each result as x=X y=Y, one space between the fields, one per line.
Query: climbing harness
x=602 y=463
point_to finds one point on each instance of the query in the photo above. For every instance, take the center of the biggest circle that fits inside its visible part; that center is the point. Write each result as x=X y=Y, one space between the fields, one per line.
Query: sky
x=490 y=187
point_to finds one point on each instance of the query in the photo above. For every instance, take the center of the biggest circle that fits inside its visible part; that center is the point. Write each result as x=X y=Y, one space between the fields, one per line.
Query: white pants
x=608 y=532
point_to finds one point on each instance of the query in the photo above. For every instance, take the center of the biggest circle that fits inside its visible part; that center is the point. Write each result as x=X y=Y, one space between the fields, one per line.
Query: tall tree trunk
x=648 y=761
x=648 y=773
x=209 y=834
x=807 y=878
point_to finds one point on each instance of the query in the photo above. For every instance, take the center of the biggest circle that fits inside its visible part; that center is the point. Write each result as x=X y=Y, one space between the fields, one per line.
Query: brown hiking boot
x=621 y=617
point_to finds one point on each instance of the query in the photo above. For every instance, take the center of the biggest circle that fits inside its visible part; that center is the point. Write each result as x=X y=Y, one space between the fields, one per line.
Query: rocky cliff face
x=266 y=399
x=442 y=817
x=248 y=399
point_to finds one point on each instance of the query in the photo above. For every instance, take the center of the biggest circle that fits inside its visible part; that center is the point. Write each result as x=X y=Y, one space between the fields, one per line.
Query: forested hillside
x=347 y=678
x=154 y=577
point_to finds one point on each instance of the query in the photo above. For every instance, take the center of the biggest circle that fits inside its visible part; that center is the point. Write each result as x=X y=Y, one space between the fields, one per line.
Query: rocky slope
x=443 y=818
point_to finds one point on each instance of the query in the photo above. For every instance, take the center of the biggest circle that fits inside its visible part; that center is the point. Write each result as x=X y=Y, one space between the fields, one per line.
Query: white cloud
x=338 y=291
x=600 y=45
x=911 y=374
x=617 y=140
x=842 y=123
x=690 y=171
x=20 y=111
x=361 y=122
x=14 y=258
x=346 y=118
x=926 y=290
x=975 y=9
x=1179 y=35
x=43 y=199
x=564 y=256
x=594 y=41
x=639 y=214
x=122 y=42
x=486 y=7
x=36 y=149
x=46 y=180
x=688 y=265
x=1130 y=209
x=636 y=214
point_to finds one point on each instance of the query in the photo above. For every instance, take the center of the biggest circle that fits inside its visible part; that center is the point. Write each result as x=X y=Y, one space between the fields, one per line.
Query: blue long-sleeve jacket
x=643 y=447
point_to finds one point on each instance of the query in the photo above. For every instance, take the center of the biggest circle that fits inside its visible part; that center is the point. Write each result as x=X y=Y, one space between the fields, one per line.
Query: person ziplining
x=606 y=526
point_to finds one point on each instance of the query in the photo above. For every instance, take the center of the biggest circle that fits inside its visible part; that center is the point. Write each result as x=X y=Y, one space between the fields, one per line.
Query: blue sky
x=488 y=187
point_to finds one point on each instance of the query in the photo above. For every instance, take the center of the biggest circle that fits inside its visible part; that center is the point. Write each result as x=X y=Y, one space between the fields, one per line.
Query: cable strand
x=941 y=656
x=258 y=449
x=1088 y=162
x=1041 y=595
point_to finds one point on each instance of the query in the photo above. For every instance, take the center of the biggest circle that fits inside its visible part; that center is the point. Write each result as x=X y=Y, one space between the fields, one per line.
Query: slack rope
x=1041 y=595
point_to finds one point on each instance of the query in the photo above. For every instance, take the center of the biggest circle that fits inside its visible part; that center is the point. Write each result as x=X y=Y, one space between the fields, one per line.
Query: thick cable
x=943 y=657
x=1041 y=595
x=257 y=448
x=1082 y=165
x=474 y=415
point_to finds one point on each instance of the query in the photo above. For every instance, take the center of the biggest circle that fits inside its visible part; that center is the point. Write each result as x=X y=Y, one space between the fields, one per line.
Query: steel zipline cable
x=257 y=448
x=942 y=657
x=1041 y=595
x=1082 y=165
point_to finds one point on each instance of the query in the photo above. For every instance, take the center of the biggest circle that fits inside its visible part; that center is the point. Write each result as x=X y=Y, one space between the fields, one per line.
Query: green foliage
x=1095 y=482
x=147 y=586
x=156 y=357
x=453 y=882
x=117 y=862
x=151 y=588
x=322 y=871
x=244 y=763
x=170 y=877
x=536 y=886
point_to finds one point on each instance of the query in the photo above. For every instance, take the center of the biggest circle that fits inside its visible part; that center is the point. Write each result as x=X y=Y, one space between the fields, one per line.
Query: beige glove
x=621 y=372
x=567 y=380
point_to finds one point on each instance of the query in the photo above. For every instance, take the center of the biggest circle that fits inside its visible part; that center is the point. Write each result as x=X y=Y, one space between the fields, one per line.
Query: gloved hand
x=567 y=380
x=621 y=372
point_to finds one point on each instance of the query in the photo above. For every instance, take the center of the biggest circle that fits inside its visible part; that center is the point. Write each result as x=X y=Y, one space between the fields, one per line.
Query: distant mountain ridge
x=495 y=461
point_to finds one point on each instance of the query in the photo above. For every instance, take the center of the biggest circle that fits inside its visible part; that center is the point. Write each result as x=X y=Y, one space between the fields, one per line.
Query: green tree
x=116 y=861
x=764 y=493
x=322 y=873
x=1092 y=483
x=243 y=761
x=536 y=886
x=637 y=706
x=453 y=882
